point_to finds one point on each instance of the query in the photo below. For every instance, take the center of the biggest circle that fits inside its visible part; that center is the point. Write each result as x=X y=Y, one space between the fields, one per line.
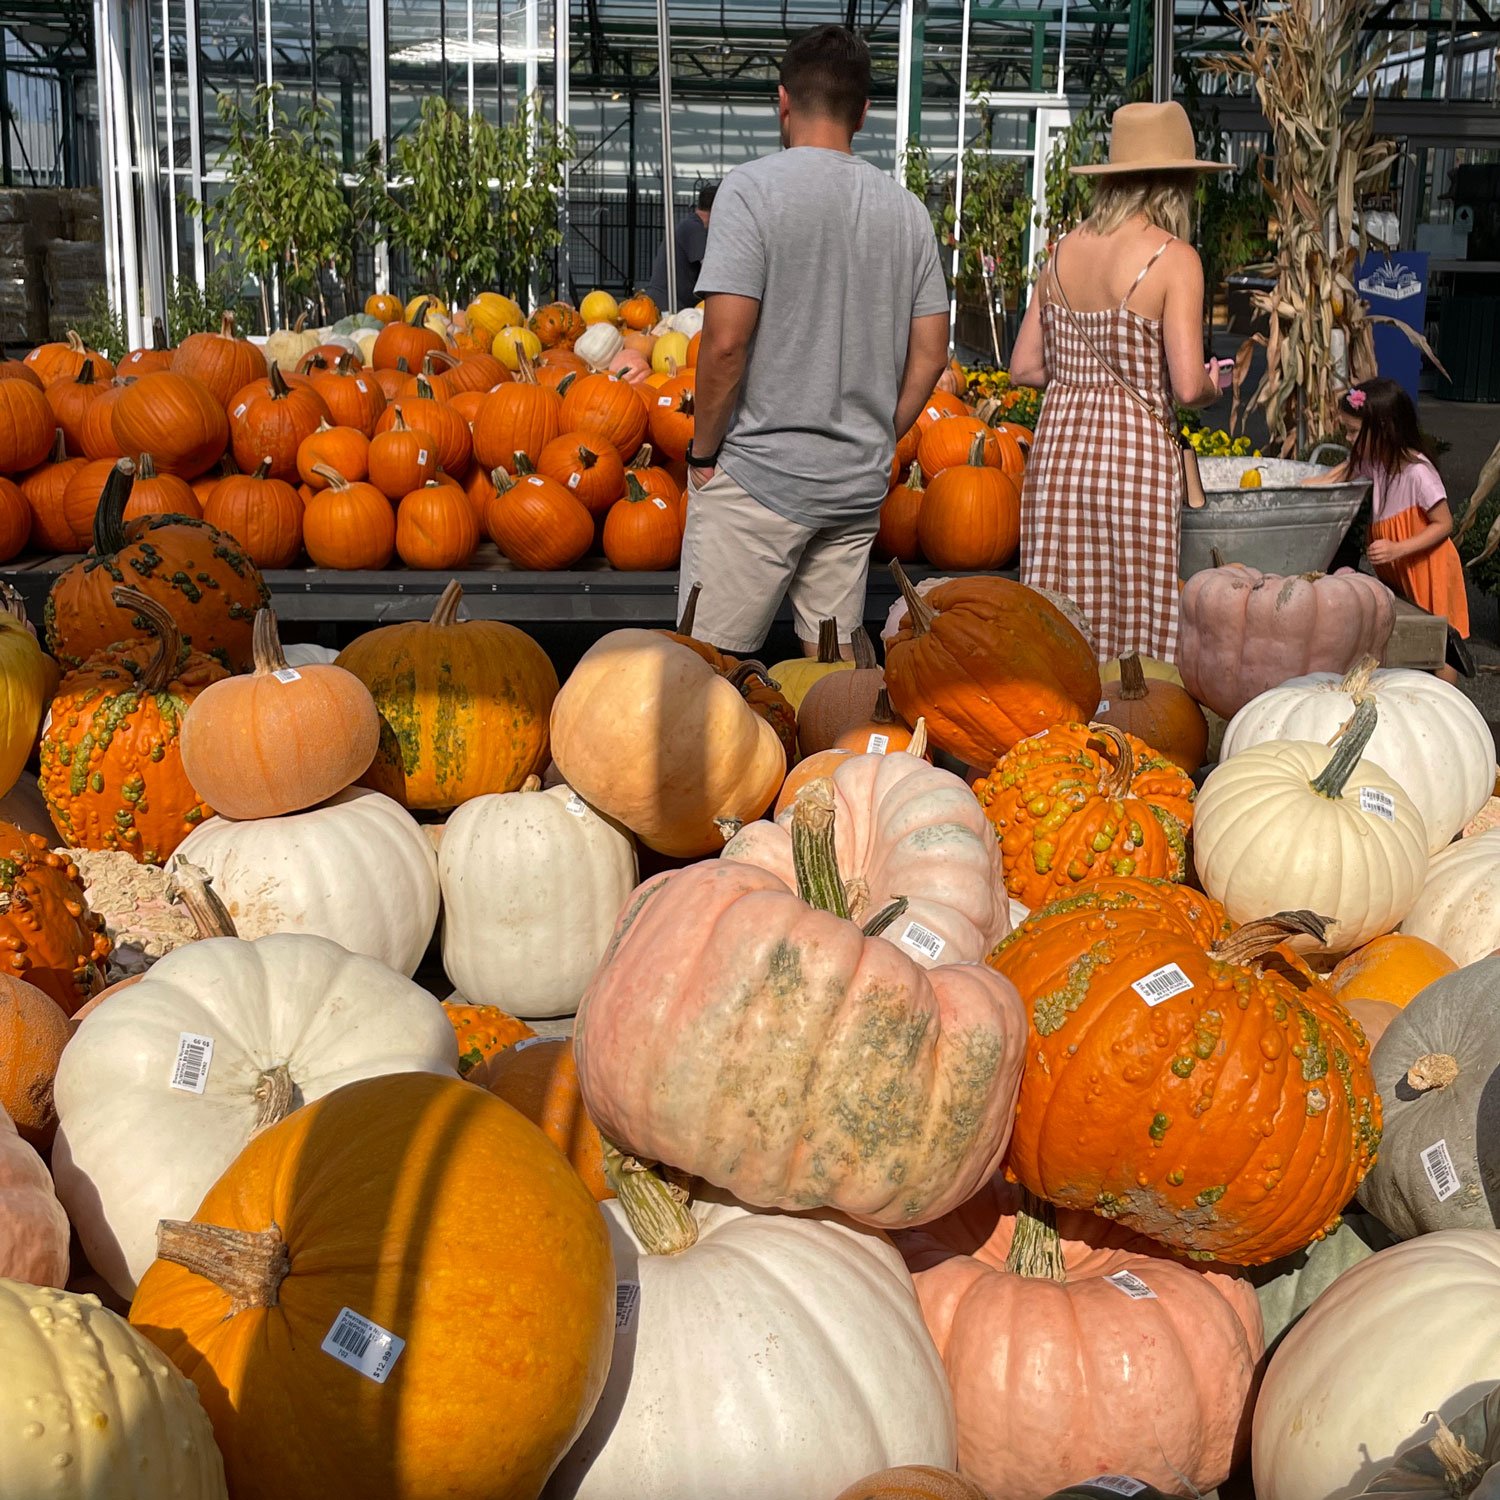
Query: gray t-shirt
x=841 y=258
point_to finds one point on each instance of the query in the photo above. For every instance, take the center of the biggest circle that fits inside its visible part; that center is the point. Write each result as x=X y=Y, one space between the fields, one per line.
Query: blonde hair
x=1165 y=198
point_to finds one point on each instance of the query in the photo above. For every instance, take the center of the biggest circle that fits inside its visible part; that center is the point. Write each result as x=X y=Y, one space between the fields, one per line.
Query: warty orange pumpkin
x=482 y=1031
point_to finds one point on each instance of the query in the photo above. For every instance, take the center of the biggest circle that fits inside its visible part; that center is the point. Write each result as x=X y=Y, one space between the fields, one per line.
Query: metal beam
x=669 y=207
x=1161 y=52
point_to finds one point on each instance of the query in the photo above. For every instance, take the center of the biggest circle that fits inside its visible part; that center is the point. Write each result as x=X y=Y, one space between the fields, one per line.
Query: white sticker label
x=361 y=385
x=576 y=805
x=573 y=481
x=287 y=674
x=627 y=1300
x=1132 y=1285
x=1382 y=804
x=194 y=1054
x=362 y=1345
x=1438 y=1165
x=1102 y=709
x=1116 y=1484
x=239 y=411
x=535 y=479
x=658 y=502
x=934 y=413
x=920 y=940
x=421 y=455
x=525 y=1042
x=663 y=400
x=1161 y=984
x=877 y=744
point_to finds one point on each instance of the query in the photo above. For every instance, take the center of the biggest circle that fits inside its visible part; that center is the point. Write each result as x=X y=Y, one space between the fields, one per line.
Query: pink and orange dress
x=1399 y=505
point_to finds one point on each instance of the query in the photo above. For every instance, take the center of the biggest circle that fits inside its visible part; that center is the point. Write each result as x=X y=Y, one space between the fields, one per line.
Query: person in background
x=691 y=241
x=825 y=329
x=1410 y=521
x=1114 y=331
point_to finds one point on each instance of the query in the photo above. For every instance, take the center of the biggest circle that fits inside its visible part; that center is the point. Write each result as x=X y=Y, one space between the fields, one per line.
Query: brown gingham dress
x=1103 y=488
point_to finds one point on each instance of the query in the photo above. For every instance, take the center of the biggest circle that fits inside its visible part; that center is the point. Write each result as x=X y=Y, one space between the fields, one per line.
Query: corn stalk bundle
x=1301 y=58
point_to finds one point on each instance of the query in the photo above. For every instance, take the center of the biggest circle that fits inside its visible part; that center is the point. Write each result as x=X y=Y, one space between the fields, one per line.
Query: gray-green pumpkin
x=1438 y=1071
x=1461 y=1462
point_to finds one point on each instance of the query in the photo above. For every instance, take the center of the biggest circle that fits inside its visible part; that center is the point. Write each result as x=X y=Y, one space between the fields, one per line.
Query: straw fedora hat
x=1150 y=138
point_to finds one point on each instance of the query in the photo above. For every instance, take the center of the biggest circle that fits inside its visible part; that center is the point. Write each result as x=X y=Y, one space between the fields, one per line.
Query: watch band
x=702 y=460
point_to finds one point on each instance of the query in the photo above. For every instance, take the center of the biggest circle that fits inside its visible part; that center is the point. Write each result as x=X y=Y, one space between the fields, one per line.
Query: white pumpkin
x=532 y=884
x=290 y=1018
x=1430 y=738
x=357 y=869
x=305 y=654
x=365 y=340
x=599 y=344
x=687 y=322
x=1294 y=825
x=287 y=345
x=903 y=828
x=92 y=1410
x=1405 y=1334
x=1459 y=906
x=777 y=1356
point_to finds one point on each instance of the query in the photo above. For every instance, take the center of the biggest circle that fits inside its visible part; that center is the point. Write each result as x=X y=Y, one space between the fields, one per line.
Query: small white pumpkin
x=91 y=1410
x=287 y=345
x=532 y=884
x=365 y=342
x=1430 y=738
x=290 y=1018
x=357 y=869
x=1459 y=906
x=687 y=322
x=305 y=654
x=599 y=345
x=1400 y=1338
x=1294 y=825
x=773 y=1356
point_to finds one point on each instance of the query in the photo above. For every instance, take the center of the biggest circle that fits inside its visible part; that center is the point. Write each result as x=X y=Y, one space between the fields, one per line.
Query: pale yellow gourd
x=24 y=684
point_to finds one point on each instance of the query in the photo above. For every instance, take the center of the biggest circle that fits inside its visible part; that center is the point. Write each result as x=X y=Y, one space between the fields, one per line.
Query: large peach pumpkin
x=33 y=1226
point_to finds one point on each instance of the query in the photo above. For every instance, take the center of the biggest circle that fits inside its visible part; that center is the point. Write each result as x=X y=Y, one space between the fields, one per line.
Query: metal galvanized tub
x=1282 y=527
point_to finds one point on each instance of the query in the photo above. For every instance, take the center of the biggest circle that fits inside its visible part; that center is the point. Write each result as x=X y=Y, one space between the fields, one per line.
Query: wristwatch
x=702 y=460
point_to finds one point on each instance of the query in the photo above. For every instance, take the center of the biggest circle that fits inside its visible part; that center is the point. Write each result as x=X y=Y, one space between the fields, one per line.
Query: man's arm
x=729 y=323
x=926 y=358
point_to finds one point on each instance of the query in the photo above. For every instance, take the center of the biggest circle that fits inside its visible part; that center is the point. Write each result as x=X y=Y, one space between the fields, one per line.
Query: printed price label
x=360 y=385
x=627 y=1300
x=1441 y=1173
x=1382 y=804
x=527 y=1041
x=877 y=744
x=573 y=481
x=239 y=411
x=576 y=805
x=1132 y=1285
x=920 y=940
x=658 y=502
x=663 y=400
x=1102 y=709
x=934 y=413
x=1161 y=984
x=287 y=674
x=421 y=455
x=194 y=1055
x=1115 y=1484
x=362 y=1345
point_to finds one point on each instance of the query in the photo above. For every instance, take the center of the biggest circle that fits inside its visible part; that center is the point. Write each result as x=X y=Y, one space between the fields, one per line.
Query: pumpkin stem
x=690 y=610
x=280 y=390
x=419 y=315
x=1216 y=557
x=446 y=612
x=275 y=1097
x=728 y=827
x=432 y=354
x=657 y=1210
x=159 y=623
x=525 y=365
x=1357 y=679
x=643 y=456
x=918 y=611
x=11 y=603
x=331 y=477
x=263 y=469
x=1115 y=781
x=914 y=480
x=1256 y=939
x=158 y=335
x=918 y=746
x=865 y=659
x=1035 y=1245
x=523 y=464
x=85 y=375
x=1462 y=1466
x=1433 y=1070
x=265 y=644
x=344 y=364
x=424 y=389
x=226 y=325
x=109 y=514
x=828 y=642
x=635 y=492
x=1132 y=678
x=247 y=1265
x=532 y=783
x=190 y=885
x=59 y=452
x=883 y=714
x=145 y=467
x=976 y=448
x=1351 y=745
x=818 y=880
x=743 y=677
x=885 y=916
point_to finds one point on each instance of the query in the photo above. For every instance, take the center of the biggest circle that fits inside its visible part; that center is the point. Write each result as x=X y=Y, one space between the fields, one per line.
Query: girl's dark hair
x=1389 y=438
x=826 y=71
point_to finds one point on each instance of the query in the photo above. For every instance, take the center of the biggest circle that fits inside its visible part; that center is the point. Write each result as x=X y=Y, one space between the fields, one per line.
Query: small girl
x=1408 y=540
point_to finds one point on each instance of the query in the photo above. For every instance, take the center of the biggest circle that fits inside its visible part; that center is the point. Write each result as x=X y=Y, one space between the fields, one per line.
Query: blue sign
x=1395 y=286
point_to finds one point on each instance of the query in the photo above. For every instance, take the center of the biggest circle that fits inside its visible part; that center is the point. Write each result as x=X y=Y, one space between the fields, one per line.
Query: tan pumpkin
x=1161 y=713
x=840 y=701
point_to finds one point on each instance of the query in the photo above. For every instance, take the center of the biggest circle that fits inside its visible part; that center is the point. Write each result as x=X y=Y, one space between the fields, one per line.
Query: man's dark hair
x=826 y=71
x=706 y=195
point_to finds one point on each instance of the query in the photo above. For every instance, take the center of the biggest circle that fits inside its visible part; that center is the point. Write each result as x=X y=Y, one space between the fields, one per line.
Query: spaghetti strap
x=1141 y=274
x=1052 y=264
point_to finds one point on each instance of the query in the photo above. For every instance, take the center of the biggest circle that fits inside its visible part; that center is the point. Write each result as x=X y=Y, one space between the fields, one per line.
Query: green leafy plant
x=99 y=328
x=1067 y=198
x=190 y=309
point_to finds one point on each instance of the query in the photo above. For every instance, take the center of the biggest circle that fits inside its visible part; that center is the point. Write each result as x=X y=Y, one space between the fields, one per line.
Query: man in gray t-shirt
x=825 y=329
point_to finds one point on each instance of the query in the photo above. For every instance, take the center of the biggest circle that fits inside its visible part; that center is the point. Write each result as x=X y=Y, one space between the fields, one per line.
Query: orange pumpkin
x=262 y=514
x=1393 y=970
x=467 y=404
x=27 y=426
x=269 y=419
x=384 y=306
x=899 y=513
x=883 y=733
x=642 y=533
x=97 y=431
x=64 y=359
x=670 y=415
x=44 y=489
x=536 y=523
x=970 y=516
x=1160 y=712
x=80 y=501
x=940 y=404
x=602 y=403
x=586 y=463
x=401 y=458
x=452 y=444
x=220 y=362
x=405 y=340
x=33 y=1032
x=175 y=418
x=354 y=398
x=155 y=494
x=70 y=401
x=111 y=759
x=349 y=526
x=550 y=324
x=521 y=417
x=655 y=479
x=482 y=1031
x=639 y=313
x=541 y=1080
x=13 y=369
x=950 y=441
x=913 y=1482
x=15 y=520
x=344 y=449
x=436 y=527
x=477 y=370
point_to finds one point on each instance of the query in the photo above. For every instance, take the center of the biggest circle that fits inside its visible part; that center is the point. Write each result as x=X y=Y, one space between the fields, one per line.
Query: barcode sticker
x=527 y=1041
x=194 y=1055
x=1161 y=984
x=627 y=1300
x=287 y=674
x=1132 y=1285
x=877 y=744
x=1115 y=1484
x=663 y=400
x=658 y=502
x=535 y=479
x=920 y=940
x=573 y=481
x=1441 y=1173
x=421 y=455
x=1382 y=804
x=934 y=413
x=239 y=411
x=362 y=1345
x=576 y=805
x=1103 y=709
x=360 y=385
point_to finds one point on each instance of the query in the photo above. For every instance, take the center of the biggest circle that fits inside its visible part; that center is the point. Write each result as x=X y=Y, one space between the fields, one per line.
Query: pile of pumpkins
x=397 y=434
x=975 y=1098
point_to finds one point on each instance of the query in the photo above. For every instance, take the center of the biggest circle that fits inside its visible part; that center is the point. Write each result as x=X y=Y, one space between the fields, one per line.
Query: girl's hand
x=1383 y=550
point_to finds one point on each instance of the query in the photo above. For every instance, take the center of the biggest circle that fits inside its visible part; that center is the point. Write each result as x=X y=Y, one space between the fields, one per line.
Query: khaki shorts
x=747 y=558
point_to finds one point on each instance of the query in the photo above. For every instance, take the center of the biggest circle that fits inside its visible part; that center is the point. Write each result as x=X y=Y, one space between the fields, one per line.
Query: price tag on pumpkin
x=525 y=1042
x=658 y=502
x=1442 y=1175
x=1161 y=984
x=1382 y=804
x=287 y=674
x=877 y=744
x=663 y=400
x=362 y=1345
x=1115 y=1484
x=922 y=940
x=1102 y=709
x=573 y=481
x=195 y=1054
x=1132 y=1286
x=360 y=385
x=576 y=805
x=627 y=1300
x=421 y=455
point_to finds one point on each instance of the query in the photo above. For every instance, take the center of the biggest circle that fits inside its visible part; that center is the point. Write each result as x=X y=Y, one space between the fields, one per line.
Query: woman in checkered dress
x=1103 y=490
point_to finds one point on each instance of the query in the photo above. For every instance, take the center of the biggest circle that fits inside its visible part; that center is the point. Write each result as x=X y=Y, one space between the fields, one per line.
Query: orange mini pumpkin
x=899 y=513
x=586 y=463
x=436 y=527
x=642 y=533
x=33 y=1032
x=1160 y=712
x=671 y=414
x=349 y=526
x=405 y=340
x=354 y=397
x=970 y=518
x=639 y=313
x=1393 y=970
x=344 y=449
x=262 y=514
x=452 y=442
x=45 y=489
x=401 y=458
x=70 y=401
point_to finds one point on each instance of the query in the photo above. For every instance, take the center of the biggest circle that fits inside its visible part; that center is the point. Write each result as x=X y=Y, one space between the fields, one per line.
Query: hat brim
x=1109 y=169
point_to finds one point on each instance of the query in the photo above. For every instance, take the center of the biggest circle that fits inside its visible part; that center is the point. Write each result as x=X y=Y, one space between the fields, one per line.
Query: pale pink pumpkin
x=33 y=1226
x=742 y=1036
x=1057 y=1379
